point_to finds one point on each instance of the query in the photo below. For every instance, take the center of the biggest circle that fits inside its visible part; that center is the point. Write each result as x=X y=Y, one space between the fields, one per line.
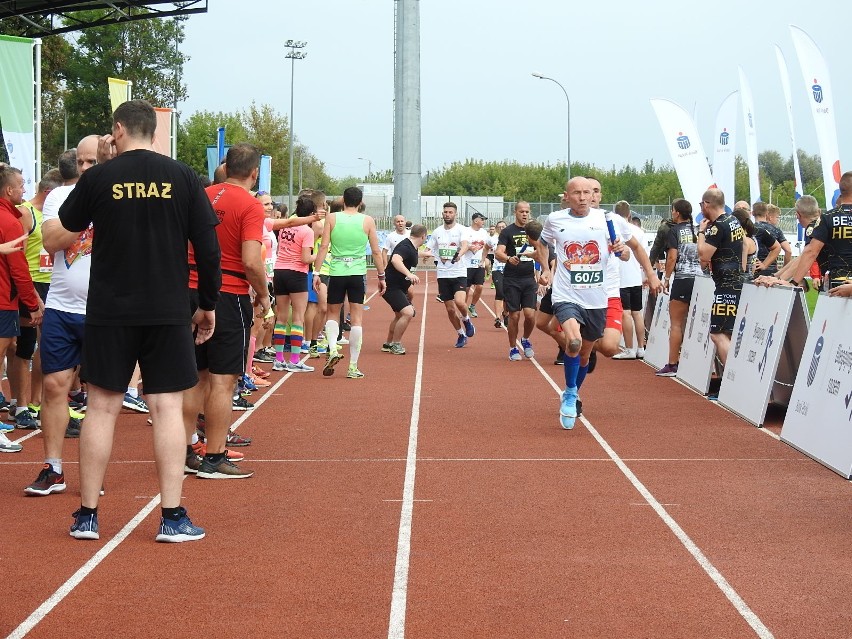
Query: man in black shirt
x=144 y=208
x=399 y=276
x=720 y=242
x=766 y=234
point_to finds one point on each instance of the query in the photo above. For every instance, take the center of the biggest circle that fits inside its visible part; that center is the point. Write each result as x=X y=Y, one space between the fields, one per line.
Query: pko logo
x=750 y=120
x=683 y=141
x=10 y=148
x=817 y=90
x=724 y=137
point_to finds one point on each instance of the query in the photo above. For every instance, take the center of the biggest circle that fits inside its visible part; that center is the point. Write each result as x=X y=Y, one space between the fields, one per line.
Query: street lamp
x=369 y=167
x=293 y=55
x=568 y=136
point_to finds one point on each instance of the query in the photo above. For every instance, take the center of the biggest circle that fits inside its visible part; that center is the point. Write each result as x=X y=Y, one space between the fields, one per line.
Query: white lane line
x=399 y=595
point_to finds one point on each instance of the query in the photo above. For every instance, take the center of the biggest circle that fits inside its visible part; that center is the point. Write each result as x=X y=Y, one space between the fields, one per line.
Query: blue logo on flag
x=683 y=141
x=723 y=137
x=817 y=90
x=10 y=148
x=750 y=121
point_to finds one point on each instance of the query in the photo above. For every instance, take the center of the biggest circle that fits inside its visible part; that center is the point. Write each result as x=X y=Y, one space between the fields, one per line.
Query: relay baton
x=611 y=227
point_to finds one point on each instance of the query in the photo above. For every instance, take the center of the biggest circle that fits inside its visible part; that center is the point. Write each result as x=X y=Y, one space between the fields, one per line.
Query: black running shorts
x=476 y=276
x=225 y=353
x=519 y=293
x=723 y=313
x=286 y=282
x=397 y=298
x=449 y=286
x=351 y=287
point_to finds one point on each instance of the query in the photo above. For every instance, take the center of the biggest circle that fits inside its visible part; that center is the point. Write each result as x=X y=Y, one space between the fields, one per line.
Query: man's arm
x=55 y=237
x=645 y=263
x=256 y=273
x=788 y=252
x=378 y=261
x=771 y=257
x=324 y=243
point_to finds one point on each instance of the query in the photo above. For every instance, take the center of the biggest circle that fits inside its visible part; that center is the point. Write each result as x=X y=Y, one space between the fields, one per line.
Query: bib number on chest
x=586 y=275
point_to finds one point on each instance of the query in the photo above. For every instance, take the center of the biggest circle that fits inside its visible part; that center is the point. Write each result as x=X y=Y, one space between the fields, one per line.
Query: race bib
x=474 y=263
x=447 y=253
x=586 y=275
x=270 y=267
x=45 y=262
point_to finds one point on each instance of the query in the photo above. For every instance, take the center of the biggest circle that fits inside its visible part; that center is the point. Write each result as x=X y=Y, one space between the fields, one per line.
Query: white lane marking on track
x=399 y=594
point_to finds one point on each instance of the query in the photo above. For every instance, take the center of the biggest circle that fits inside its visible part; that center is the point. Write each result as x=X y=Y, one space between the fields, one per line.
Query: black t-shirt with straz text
x=727 y=236
x=144 y=208
x=409 y=254
x=514 y=238
x=834 y=230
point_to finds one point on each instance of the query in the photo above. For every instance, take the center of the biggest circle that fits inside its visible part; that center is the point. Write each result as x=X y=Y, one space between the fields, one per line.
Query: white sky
x=478 y=98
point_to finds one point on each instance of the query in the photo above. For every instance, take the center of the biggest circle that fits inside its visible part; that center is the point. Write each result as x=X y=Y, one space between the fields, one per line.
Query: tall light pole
x=568 y=136
x=293 y=55
x=369 y=167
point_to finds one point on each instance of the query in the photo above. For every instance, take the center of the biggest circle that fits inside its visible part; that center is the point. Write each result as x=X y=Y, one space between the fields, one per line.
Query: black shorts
x=397 y=298
x=681 y=289
x=225 y=353
x=449 y=286
x=592 y=320
x=9 y=324
x=497 y=278
x=476 y=276
x=351 y=287
x=546 y=303
x=723 y=313
x=166 y=356
x=519 y=292
x=287 y=282
x=631 y=298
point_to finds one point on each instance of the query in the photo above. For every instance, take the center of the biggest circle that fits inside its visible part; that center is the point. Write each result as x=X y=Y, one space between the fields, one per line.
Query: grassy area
x=811 y=299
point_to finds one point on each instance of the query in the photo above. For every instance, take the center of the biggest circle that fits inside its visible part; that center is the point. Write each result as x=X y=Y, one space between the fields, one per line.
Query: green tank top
x=348 y=245
x=34 y=248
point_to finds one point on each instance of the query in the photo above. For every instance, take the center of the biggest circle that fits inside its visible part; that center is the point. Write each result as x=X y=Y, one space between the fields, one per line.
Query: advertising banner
x=657 y=348
x=725 y=148
x=17 y=106
x=750 y=134
x=698 y=350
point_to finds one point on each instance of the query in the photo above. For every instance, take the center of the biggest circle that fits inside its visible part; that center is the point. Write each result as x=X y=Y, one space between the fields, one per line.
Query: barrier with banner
x=657 y=348
x=697 y=351
x=819 y=418
x=757 y=345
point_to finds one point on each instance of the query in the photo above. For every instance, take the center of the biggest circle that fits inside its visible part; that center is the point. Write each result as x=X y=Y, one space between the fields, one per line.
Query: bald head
x=578 y=195
x=742 y=204
x=87 y=153
x=713 y=203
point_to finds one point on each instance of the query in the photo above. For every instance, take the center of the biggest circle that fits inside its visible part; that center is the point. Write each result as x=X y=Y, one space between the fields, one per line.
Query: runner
x=501 y=320
x=630 y=292
x=399 y=277
x=399 y=233
x=475 y=261
x=520 y=289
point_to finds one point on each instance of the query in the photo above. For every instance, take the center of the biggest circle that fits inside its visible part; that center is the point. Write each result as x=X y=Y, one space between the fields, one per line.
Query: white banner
x=819 y=419
x=657 y=348
x=698 y=350
x=759 y=333
x=821 y=100
x=725 y=149
x=750 y=137
x=788 y=96
x=21 y=149
x=17 y=107
x=685 y=148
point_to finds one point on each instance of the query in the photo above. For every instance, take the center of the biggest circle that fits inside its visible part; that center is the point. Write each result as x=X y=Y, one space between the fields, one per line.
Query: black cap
x=478 y=215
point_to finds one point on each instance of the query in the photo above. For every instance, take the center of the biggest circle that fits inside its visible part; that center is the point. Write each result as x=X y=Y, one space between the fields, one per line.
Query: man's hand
x=770 y=280
x=844 y=290
x=414 y=279
x=106 y=149
x=382 y=286
x=203 y=323
x=654 y=284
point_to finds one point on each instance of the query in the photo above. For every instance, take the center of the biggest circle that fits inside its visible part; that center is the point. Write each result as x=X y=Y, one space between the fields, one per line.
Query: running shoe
x=626 y=353
x=515 y=354
x=469 y=329
x=461 y=342
x=241 y=403
x=72 y=430
x=225 y=469
x=438 y=299
x=593 y=362
x=529 y=353
x=306 y=348
x=560 y=359
x=84 y=526
x=579 y=407
x=259 y=373
x=192 y=464
x=48 y=481
x=270 y=350
x=260 y=383
x=669 y=370
x=6 y=428
x=640 y=353
x=498 y=323
x=200 y=449
x=313 y=352
x=245 y=383
x=568 y=408
x=322 y=347
x=279 y=367
x=333 y=358
x=354 y=373
x=135 y=403
x=299 y=367
x=397 y=349
x=180 y=530
x=387 y=347
x=262 y=357
x=8 y=446
x=77 y=401
x=4 y=404
x=233 y=439
x=472 y=311
x=342 y=341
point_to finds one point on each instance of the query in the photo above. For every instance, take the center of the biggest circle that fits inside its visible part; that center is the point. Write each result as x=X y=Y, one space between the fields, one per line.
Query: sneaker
x=73 y=414
x=135 y=403
x=322 y=347
x=4 y=404
x=438 y=299
x=529 y=353
x=199 y=448
x=279 y=367
x=77 y=401
x=568 y=408
x=397 y=349
x=669 y=370
x=192 y=464
x=354 y=373
x=640 y=353
x=180 y=530
x=469 y=329
x=72 y=430
x=259 y=373
x=626 y=353
x=244 y=382
x=342 y=341
x=514 y=355
x=306 y=349
x=560 y=359
x=593 y=362
x=498 y=323
x=461 y=342
x=299 y=367
x=6 y=428
x=48 y=481
x=262 y=357
x=84 y=526
x=331 y=361
x=225 y=469
x=472 y=311
x=8 y=446
x=387 y=347
x=269 y=350
x=237 y=440
x=260 y=383
x=346 y=326
x=313 y=352
x=241 y=403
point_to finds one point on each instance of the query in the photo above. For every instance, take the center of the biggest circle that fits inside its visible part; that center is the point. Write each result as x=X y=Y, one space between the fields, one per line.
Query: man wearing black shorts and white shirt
x=520 y=289
x=447 y=244
x=399 y=276
x=475 y=260
x=144 y=208
x=720 y=242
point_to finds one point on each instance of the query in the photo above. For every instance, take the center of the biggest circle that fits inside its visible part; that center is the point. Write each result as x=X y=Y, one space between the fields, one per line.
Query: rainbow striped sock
x=279 y=334
x=297 y=334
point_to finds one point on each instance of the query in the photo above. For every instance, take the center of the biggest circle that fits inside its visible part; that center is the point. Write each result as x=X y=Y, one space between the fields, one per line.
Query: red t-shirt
x=240 y=220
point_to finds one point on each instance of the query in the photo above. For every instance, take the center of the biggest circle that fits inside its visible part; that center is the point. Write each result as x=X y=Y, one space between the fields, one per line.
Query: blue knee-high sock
x=581 y=375
x=572 y=368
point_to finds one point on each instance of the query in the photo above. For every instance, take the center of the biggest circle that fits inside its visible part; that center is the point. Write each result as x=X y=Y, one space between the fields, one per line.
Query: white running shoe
x=299 y=367
x=626 y=353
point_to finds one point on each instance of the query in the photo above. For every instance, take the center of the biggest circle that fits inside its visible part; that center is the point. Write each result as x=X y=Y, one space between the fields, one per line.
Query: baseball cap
x=478 y=215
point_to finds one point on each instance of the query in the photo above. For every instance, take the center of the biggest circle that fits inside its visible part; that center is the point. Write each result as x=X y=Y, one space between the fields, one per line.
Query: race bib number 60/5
x=585 y=275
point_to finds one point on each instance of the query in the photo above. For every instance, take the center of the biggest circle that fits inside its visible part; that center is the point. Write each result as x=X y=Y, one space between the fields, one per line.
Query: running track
x=439 y=498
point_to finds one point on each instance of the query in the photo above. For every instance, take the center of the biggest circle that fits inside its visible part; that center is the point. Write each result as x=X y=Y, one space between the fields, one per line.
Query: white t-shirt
x=69 y=284
x=496 y=265
x=582 y=253
x=444 y=243
x=391 y=240
x=478 y=240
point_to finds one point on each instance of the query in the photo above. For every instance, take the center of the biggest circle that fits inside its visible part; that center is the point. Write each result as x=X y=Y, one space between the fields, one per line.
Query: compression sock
x=278 y=335
x=296 y=337
x=581 y=375
x=572 y=368
x=355 y=334
x=332 y=330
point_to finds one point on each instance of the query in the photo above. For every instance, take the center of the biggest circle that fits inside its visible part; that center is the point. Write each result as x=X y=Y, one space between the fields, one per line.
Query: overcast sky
x=478 y=97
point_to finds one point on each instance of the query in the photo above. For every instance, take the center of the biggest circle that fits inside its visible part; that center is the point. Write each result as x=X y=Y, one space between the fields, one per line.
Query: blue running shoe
x=6 y=428
x=461 y=341
x=135 y=403
x=567 y=422
x=180 y=530
x=514 y=354
x=568 y=407
x=529 y=353
x=469 y=330
x=84 y=526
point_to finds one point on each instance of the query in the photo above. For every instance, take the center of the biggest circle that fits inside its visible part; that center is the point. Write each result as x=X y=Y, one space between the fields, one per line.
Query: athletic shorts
x=449 y=286
x=614 y=309
x=287 y=282
x=631 y=298
x=225 y=353
x=397 y=298
x=519 y=292
x=591 y=320
x=351 y=287
x=681 y=289
x=61 y=346
x=476 y=276
x=546 y=303
x=497 y=278
x=9 y=324
x=312 y=294
x=166 y=356
x=723 y=313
